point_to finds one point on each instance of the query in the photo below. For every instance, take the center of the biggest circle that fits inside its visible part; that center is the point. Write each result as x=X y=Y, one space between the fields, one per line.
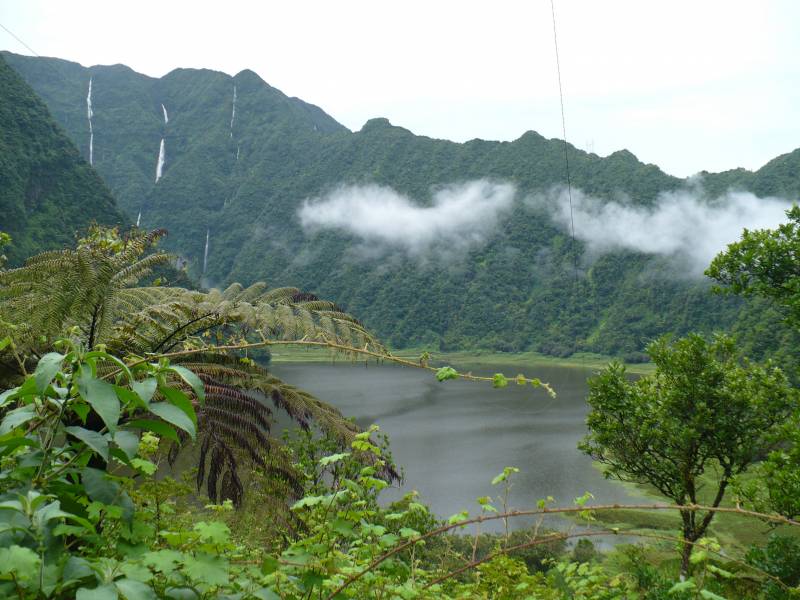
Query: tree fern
x=91 y=292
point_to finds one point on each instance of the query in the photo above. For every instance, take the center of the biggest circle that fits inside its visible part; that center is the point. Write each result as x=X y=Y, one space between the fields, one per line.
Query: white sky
x=688 y=85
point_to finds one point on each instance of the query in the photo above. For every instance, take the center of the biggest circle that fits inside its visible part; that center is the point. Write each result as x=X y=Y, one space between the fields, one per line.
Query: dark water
x=452 y=438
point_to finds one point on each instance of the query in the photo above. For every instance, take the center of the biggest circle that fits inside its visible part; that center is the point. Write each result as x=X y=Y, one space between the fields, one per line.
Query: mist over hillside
x=428 y=241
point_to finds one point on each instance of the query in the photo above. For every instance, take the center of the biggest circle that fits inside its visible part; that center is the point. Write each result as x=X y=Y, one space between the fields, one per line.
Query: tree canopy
x=703 y=411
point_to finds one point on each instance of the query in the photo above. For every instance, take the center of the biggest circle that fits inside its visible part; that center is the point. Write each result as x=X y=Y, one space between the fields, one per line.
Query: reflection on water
x=452 y=438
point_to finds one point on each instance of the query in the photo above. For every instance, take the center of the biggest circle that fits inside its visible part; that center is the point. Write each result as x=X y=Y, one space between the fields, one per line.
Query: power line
x=566 y=146
x=12 y=34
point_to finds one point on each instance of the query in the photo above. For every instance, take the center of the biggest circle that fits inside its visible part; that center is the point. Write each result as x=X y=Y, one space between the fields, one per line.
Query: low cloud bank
x=680 y=225
x=461 y=217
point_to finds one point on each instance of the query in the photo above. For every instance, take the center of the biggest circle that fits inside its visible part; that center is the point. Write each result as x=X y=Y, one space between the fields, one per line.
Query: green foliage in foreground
x=82 y=517
x=703 y=410
x=763 y=265
x=92 y=292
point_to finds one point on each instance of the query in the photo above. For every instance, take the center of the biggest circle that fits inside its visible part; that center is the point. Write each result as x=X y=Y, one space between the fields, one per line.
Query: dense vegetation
x=244 y=183
x=47 y=191
x=110 y=378
x=113 y=380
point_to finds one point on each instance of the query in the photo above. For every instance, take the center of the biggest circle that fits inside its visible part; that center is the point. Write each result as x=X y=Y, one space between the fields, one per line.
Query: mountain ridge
x=48 y=192
x=239 y=179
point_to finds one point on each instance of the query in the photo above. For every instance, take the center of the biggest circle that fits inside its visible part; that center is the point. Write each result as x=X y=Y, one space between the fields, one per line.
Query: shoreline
x=467 y=358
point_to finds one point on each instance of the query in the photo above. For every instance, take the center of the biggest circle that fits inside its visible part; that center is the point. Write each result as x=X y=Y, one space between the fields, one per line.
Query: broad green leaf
x=683 y=586
x=22 y=562
x=499 y=380
x=127 y=441
x=193 y=380
x=100 y=488
x=711 y=595
x=326 y=460
x=15 y=505
x=308 y=501
x=507 y=472
x=213 y=532
x=101 y=592
x=163 y=561
x=136 y=571
x=458 y=517
x=342 y=527
x=10 y=444
x=172 y=414
x=75 y=569
x=181 y=593
x=46 y=369
x=718 y=571
x=17 y=417
x=8 y=395
x=212 y=570
x=157 y=427
x=446 y=373
x=145 y=388
x=135 y=590
x=407 y=532
x=128 y=397
x=101 y=396
x=181 y=400
x=96 y=441
x=269 y=565
x=82 y=409
x=68 y=530
x=51 y=511
x=145 y=466
x=102 y=355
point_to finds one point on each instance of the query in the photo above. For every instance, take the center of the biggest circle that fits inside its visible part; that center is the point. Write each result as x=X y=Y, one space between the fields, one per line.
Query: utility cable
x=566 y=146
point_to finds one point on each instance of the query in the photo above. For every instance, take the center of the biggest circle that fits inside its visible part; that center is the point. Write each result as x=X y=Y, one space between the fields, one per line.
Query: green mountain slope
x=240 y=179
x=47 y=190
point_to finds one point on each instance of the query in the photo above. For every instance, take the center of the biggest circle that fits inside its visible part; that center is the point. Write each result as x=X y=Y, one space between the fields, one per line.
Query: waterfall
x=237 y=151
x=205 y=252
x=166 y=118
x=161 y=158
x=139 y=217
x=233 y=111
x=89 y=115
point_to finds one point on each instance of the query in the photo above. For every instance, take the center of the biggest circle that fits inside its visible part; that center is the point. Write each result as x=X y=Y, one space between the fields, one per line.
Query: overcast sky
x=687 y=85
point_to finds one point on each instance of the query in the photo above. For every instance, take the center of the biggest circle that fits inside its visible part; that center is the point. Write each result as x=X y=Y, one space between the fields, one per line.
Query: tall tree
x=704 y=411
x=764 y=263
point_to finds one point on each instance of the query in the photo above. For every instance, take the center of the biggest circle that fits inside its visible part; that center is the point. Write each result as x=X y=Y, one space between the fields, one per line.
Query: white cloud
x=681 y=225
x=459 y=218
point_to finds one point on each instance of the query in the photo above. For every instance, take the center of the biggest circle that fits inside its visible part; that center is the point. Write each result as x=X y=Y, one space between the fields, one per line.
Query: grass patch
x=734 y=532
x=465 y=358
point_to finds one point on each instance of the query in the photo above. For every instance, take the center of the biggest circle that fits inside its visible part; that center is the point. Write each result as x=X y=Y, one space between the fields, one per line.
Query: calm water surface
x=452 y=438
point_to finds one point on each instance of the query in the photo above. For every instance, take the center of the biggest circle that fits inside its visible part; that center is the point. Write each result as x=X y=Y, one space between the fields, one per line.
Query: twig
x=545 y=511
x=320 y=344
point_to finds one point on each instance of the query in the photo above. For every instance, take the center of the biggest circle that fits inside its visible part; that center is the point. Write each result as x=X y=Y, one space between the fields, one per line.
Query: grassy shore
x=468 y=358
x=734 y=532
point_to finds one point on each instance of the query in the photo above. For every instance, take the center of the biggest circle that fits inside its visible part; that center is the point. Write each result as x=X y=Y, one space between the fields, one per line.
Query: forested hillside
x=240 y=158
x=47 y=190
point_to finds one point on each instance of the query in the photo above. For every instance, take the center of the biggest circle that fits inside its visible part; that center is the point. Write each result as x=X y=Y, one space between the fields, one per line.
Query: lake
x=452 y=438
